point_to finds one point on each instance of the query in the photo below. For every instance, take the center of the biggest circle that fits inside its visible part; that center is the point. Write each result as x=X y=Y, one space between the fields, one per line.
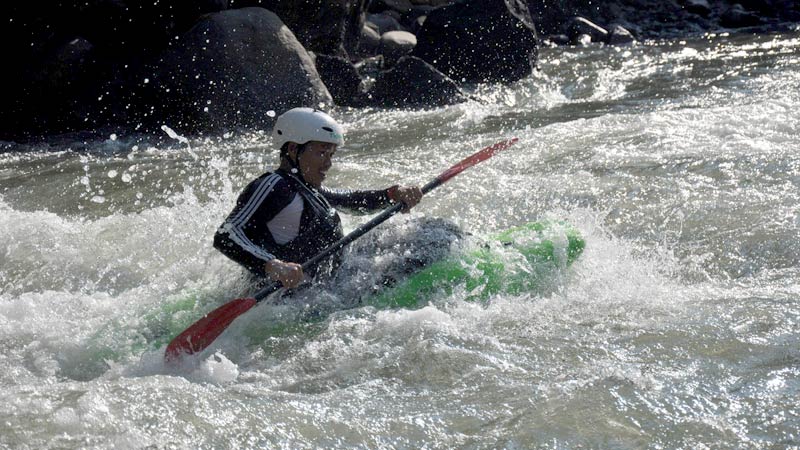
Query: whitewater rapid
x=679 y=326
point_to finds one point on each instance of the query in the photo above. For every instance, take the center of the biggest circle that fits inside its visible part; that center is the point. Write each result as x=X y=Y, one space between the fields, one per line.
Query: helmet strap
x=295 y=164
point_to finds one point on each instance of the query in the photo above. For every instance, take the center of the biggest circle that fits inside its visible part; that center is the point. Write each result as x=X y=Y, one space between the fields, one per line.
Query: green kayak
x=516 y=261
x=519 y=260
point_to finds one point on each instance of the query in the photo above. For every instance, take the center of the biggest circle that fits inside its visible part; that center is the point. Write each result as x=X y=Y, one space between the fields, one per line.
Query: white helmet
x=301 y=125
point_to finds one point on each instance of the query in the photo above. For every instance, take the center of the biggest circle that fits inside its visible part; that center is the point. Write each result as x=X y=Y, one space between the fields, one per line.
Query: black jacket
x=280 y=216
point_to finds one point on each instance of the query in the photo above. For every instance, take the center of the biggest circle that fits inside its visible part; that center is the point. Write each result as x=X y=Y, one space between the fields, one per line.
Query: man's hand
x=408 y=195
x=289 y=274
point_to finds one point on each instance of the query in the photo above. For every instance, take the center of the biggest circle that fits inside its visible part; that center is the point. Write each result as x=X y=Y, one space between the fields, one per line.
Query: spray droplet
x=271 y=113
x=171 y=133
x=112 y=174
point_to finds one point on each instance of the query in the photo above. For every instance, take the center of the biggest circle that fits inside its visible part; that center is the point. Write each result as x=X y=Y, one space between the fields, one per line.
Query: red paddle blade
x=203 y=332
x=480 y=156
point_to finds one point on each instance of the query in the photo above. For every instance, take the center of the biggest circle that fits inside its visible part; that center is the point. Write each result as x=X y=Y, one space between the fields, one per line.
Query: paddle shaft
x=482 y=155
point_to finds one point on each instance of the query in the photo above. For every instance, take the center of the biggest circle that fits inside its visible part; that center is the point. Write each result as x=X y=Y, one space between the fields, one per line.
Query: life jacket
x=320 y=226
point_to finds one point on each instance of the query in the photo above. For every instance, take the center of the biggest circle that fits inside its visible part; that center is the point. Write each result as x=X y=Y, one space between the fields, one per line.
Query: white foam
x=216 y=369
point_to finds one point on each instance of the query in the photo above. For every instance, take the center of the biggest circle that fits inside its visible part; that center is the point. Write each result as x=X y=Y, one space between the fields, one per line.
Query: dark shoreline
x=216 y=65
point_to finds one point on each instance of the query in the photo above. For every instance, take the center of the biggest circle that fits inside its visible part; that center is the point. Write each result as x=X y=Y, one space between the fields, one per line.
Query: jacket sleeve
x=244 y=236
x=357 y=202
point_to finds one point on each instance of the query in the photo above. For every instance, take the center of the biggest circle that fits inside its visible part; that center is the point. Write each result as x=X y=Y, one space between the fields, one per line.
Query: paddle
x=203 y=332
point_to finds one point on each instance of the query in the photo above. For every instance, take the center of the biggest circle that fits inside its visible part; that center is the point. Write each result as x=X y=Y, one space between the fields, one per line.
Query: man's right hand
x=289 y=274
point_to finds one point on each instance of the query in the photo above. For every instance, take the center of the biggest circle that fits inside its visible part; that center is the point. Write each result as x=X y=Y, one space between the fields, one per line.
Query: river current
x=678 y=327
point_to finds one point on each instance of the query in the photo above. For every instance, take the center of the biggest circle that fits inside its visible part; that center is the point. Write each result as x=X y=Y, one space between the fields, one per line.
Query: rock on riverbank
x=204 y=66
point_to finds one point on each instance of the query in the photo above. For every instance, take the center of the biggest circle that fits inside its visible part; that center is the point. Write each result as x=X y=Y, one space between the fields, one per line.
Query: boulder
x=369 y=69
x=478 y=41
x=83 y=60
x=417 y=24
x=341 y=78
x=138 y=26
x=699 y=7
x=65 y=81
x=401 y=6
x=230 y=70
x=370 y=42
x=321 y=26
x=557 y=39
x=414 y=83
x=394 y=15
x=620 y=36
x=646 y=19
x=383 y=23
x=396 y=44
x=413 y=20
x=408 y=11
x=738 y=17
x=761 y=7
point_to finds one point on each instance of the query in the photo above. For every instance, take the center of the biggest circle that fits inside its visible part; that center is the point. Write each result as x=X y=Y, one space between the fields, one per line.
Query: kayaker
x=285 y=217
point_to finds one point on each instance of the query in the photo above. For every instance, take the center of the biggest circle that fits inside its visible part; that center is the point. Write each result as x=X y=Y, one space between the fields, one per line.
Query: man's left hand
x=408 y=195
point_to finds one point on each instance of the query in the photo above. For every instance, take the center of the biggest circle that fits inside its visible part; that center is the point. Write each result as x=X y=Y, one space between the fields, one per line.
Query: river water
x=679 y=326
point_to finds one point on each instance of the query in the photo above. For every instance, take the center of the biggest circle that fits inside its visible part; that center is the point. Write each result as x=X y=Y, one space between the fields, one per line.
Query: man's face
x=315 y=161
